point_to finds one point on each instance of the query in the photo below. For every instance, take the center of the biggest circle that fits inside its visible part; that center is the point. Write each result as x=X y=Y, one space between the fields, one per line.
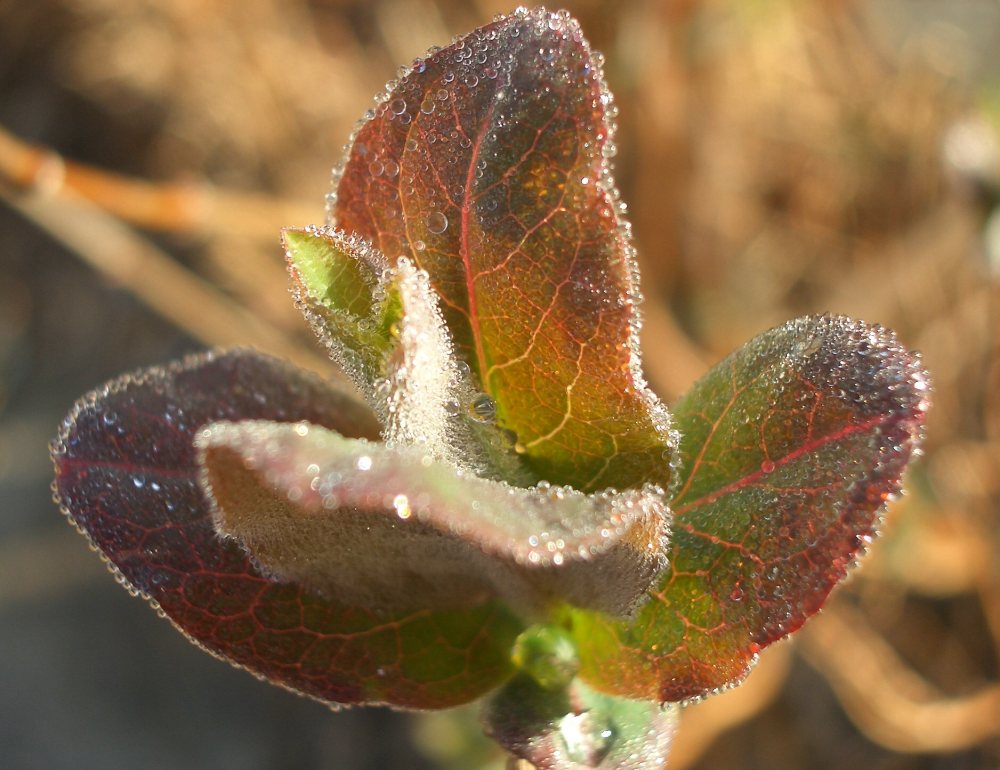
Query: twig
x=115 y=251
x=672 y=360
x=888 y=701
x=703 y=723
x=191 y=207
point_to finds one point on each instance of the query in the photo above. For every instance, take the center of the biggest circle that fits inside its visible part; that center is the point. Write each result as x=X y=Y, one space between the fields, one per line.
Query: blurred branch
x=703 y=723
x=672 y=360
x=183 y=207
x=886 y=699
x=118 y=253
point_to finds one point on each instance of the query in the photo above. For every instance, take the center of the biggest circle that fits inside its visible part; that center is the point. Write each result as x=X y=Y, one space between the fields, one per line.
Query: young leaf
x=337 y=282
x=429 y=400
x=487 y=165
x=790 y=449
x=391 y=528
x=579 y=728
x=384 y=327
x=127 y=476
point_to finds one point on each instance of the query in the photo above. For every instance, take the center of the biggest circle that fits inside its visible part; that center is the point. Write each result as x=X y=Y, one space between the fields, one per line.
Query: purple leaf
x=127 y=476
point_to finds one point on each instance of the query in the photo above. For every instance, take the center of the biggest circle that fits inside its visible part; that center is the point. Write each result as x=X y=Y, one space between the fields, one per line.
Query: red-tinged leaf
x=790 y=449
x=127 y=475
x=391 y=528
x=579 y=728
x=487 y=164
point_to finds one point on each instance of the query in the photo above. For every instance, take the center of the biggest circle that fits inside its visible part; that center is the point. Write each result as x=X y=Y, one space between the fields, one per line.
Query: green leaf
x=487 y=164
x=393 y=529
x=335 y=271
x=339 y=282
x=127 y=476
x=790 y=449
x=386 y=331
x=578 y=728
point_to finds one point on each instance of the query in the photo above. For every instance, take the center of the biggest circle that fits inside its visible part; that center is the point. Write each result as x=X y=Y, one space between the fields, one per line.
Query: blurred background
x=779 y=158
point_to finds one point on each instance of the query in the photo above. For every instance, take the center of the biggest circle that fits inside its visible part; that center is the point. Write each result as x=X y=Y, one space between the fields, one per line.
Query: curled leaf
x=487 y=165
x=791 y=448
x=383 y=325
x=337 y=282
x=392 y=528
x=127 y=476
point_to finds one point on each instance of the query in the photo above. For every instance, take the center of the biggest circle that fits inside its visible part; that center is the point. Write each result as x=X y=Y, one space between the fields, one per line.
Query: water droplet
x=810 y=346
x=382 y=387
x=767 y=466
x=588 y=737
x=419 y=245
x=398 y=106
x=427 y=106
x=452 y=407
x=437 y=222
x=364 y=463
x=411 y=144
x=375 y=168
x=402 y=505
x=482 y=408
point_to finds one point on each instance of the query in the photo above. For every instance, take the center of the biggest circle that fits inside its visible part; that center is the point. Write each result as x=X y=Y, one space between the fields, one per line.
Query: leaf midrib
x=463 y=241
x=806 y=448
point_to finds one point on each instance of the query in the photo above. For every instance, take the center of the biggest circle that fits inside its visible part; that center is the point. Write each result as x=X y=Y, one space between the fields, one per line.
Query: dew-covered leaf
x=337 y=280
x=334 y=270
x=384 y=326
x=487 y=164
x=127 y=475
x=579 y=728
x=790 y=448
x=393 y=528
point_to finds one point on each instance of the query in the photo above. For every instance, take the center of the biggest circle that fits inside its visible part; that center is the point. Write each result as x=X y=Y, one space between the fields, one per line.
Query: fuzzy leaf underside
x=391 y=528
x=127 y=476
x=384 y=327
x=486 y=165
x=790 y=448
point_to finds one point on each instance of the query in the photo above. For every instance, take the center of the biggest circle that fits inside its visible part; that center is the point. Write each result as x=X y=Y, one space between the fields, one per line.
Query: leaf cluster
x=511 y=507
